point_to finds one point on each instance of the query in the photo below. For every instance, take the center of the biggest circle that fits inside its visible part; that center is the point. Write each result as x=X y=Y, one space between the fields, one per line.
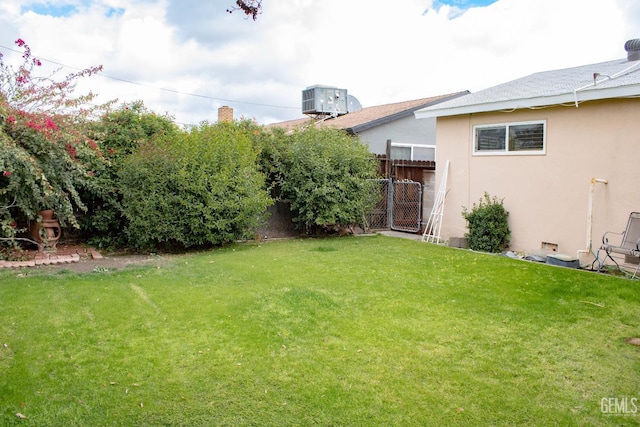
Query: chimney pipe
x=633 y=49
x=225 y=114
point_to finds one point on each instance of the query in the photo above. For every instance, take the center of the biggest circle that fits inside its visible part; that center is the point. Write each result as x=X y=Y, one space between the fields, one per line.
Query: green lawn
x=331 y=332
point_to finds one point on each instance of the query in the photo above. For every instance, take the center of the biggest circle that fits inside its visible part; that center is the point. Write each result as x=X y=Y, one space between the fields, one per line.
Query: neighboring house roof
x=604 y=80
x=369 y=117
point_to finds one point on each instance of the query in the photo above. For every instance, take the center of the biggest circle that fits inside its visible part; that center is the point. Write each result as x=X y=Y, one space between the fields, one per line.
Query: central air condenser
x=324 y=100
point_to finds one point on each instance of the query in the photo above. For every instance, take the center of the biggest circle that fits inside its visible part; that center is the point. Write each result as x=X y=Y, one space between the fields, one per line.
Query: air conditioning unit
x=324 y=100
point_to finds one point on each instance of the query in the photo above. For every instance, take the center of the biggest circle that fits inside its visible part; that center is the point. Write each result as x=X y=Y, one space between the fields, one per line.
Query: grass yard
x=366 y=331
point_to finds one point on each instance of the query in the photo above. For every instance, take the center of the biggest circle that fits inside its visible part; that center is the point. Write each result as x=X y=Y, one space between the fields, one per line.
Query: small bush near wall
x=487 y=224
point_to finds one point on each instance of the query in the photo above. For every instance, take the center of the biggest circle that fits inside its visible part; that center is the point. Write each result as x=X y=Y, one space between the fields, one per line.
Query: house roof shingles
x=612 y=79
x=369 y=117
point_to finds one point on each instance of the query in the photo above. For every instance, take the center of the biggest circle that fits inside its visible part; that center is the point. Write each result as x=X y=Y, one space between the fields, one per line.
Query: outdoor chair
x=629 y=243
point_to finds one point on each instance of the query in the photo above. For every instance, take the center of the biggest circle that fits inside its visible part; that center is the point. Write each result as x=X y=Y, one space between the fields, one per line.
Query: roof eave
x=405 y=113
x=538 y=102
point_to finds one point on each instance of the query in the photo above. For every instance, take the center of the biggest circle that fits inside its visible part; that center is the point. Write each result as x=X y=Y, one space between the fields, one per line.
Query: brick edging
x=62 y=259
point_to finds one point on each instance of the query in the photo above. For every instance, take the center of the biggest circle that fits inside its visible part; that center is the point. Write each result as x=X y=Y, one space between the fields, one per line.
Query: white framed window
x=521 y=138
x=413 y=151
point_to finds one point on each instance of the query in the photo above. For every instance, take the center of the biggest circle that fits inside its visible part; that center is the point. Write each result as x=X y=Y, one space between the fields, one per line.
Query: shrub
x=46 y=158
x=197 y=188
x=46 y=168
x=120 y=133
x=326 y=175
x=487 y=224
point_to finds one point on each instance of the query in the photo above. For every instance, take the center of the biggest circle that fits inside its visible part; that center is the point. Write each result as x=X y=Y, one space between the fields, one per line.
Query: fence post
x=388 y=165
x=390 y=195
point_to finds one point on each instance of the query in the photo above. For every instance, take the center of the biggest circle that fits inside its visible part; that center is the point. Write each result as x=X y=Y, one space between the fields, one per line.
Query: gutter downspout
x=605 y=78
x=589 y=244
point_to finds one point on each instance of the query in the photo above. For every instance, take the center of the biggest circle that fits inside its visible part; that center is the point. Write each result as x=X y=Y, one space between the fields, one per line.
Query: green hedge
x=202 y=187
x=326 y=175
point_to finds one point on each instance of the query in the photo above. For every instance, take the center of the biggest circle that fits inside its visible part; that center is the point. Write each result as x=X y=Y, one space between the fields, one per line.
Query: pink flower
x=11 y=119
x=20 y=42
x=14 y=224
x=71 y=151
x=50 y=124
x=6 y=173
x=34 y=125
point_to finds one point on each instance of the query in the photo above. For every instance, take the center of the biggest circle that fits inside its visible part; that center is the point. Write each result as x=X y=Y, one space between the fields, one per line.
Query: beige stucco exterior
x=547 y=196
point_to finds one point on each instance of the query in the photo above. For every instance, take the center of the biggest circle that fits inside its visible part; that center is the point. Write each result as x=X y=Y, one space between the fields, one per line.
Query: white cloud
x=380 y=51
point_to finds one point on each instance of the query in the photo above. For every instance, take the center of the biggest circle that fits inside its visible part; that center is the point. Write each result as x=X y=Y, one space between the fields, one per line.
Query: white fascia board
x=514 y=104
x=566 y=99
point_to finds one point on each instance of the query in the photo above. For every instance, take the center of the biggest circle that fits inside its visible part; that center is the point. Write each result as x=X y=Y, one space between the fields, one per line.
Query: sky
x=187 y=58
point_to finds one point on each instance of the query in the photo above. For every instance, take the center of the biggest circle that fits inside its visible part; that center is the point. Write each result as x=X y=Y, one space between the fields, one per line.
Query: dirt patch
x=633 y=341
x=81 y=259
x=115 y=262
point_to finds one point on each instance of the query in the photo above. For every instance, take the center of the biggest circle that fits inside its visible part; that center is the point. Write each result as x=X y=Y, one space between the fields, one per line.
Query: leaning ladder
x=434 y=224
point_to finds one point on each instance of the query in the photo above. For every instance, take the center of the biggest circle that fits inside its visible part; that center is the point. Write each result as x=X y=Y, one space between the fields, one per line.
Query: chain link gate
x=399 y=206
x=407 y=206
x=379 y=216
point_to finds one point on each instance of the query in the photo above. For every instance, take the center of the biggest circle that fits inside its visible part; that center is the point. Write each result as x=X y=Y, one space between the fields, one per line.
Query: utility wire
x=159 y=88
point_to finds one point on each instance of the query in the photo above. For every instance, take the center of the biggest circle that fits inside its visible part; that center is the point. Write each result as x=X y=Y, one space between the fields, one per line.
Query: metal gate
x=399 y=206
x=379 y=216
x=407 y=206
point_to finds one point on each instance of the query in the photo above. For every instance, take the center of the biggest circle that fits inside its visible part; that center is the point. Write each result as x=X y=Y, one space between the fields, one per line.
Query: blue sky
x=189 y=57
x=459 y=7
x=465 y=4
x=462 y=4
x=51 y=9
x=63 y=9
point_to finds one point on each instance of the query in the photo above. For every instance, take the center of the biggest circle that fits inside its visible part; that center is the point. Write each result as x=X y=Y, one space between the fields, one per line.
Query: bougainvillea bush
x=45 y=156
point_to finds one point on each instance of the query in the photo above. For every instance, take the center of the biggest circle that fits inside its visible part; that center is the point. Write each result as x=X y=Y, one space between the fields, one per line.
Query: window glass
x=528 y=137
x=490 y=138
x=401 y=153
x=523 y=138
x=424 y=153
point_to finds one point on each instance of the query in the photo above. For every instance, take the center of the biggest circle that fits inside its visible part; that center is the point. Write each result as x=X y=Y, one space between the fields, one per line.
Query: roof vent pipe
x=633 y=49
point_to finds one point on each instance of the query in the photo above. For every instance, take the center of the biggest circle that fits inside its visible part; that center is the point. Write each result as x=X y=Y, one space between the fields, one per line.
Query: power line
x=197 y=95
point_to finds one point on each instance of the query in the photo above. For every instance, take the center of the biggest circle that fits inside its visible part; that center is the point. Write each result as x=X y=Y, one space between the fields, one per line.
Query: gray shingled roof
x=612 y=79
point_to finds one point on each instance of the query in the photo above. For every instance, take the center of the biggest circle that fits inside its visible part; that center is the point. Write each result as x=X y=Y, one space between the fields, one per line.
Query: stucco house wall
x=547 y=195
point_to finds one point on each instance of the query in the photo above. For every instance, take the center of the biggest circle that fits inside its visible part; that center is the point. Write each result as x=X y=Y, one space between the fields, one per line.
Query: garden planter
x=46 y=232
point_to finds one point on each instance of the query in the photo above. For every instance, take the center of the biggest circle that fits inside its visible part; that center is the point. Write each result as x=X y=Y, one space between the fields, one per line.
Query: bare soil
x=111 y=262
x=89 y=259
